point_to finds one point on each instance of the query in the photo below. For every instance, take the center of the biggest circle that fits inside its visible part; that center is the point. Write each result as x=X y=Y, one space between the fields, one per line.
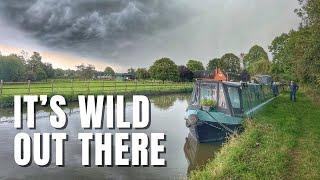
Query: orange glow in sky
x=60 y=60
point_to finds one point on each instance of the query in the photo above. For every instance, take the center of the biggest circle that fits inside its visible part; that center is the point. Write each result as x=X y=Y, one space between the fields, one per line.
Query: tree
x=213 y=64
x=142 y=73
x=296 y=54
x=131 y=71
x=12 y=68
x=41 y=74
x=262 y=66
x=164 y=69
x=194 y=65
x=48 y=69
x=308 y=65
x=59 y=73
x=309 y=13
x=109 y=71
x=185 y=74
x=36 y=69
x=255 y=54
x=86 y=71
x=70 y=73
x=281 y=63
x=230 y=63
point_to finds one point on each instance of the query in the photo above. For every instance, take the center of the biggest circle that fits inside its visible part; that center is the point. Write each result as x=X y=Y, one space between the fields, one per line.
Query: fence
x=72 y=87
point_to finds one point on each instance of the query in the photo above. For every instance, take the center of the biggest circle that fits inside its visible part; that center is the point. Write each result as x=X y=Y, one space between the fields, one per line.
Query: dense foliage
x=12 y=68
x=164 y=69
x=185 y=74
x=18 y=68
x=142 y=73
x=256 y=53
x=297 y=53
x=195 y=65
x=230 y=63
x=261 y=66
x=109 y=71
x=213 y=64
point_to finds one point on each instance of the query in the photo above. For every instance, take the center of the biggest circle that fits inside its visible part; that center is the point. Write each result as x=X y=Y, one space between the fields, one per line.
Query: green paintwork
x=218 y=117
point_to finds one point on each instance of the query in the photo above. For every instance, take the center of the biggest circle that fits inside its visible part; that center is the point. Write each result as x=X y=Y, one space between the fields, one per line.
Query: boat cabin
x=232 y=98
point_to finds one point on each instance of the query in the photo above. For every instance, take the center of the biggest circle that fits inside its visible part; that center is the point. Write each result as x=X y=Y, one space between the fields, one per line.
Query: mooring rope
x=221 y=124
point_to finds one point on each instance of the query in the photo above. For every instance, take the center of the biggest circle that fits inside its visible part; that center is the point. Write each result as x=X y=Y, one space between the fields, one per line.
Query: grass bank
x=282 y=142
x=70 y=89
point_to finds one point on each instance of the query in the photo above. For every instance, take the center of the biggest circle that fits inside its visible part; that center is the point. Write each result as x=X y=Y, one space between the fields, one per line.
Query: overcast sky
x=134 y=33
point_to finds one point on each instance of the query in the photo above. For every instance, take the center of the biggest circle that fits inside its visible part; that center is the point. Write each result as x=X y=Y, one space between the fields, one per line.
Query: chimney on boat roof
x=219 y=75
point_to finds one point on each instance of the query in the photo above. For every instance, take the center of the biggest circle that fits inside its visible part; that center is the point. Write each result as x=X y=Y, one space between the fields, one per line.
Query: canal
x=183 y=153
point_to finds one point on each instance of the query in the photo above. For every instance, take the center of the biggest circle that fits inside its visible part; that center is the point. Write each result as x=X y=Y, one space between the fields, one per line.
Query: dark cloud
x=136 y=32
x=94 y=25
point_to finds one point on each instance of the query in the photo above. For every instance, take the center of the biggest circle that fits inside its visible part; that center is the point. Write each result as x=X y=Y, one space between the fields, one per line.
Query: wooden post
x=29 y=86
x=1 y=86
x=115 y=87
x=72 y=89
x=136 y=86
x=88 y=87
x=126 y=87
x=102 y=85
x=52 y=86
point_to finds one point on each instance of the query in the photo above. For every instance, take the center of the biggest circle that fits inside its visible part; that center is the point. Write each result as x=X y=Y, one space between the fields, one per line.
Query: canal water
x=183 y=153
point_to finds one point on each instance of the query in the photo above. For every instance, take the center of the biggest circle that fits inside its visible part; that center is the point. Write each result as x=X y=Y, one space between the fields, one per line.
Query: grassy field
x=71 y=88
x=281 y=142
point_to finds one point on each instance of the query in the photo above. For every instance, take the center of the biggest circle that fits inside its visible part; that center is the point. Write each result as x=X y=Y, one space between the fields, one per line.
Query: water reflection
x=167 y=114
x=199 y=154
x=166 y=101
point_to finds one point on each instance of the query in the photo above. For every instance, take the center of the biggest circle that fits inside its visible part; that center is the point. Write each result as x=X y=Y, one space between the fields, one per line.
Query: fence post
x=1 y=86
x=125 y=91
x=72 y=87
x=115 y=87
x=102 y=85
x=52 y=86
x=29 y=86
x=88 y=86
x=136 y=86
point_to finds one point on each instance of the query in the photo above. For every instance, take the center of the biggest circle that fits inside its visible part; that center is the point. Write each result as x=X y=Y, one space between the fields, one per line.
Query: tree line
x=18 y=68
x=296 y=54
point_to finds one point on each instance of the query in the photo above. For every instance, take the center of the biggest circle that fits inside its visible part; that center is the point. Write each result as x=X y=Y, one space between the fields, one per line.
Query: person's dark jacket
x=294 y=87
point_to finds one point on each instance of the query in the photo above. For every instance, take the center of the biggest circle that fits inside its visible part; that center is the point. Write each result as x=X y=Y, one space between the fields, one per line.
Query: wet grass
x=281 y=142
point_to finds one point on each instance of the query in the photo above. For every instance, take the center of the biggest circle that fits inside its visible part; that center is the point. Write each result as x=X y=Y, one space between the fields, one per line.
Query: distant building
x=108 y=77
x=125 y=76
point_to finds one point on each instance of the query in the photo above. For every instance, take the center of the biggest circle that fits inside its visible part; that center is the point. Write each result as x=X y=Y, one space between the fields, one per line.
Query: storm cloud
x=65 y=23
x=139 y=31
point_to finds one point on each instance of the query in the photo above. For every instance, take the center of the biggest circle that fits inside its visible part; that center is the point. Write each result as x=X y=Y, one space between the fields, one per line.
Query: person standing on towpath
x=275 y=89
x=293 y=91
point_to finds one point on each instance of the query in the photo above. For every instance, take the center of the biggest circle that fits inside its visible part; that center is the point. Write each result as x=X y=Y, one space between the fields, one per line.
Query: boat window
x=208 y=91
x=246 y=98
x=222 y=99
x=194 y=97
x=234 y=97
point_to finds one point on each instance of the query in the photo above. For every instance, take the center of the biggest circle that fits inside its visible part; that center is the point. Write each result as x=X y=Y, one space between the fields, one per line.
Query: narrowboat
x=218 y=108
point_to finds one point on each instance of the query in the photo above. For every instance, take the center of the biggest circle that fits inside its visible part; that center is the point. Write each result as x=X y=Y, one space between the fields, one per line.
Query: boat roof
x=230 y=83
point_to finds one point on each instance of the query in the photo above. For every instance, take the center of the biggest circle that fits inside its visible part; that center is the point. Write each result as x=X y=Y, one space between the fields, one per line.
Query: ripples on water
x=183 y=154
